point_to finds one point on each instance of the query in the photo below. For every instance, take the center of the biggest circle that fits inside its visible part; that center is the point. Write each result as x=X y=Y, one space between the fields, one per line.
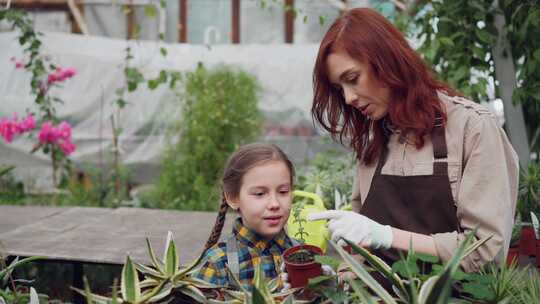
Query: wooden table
x=81 y=235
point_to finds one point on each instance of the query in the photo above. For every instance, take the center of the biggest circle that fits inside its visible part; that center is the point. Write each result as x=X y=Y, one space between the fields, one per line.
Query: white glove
x=355 y=228
x=284 y=276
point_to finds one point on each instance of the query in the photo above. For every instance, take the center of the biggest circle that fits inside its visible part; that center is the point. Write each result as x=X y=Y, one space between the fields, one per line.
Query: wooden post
x=289 y=21
x=78 y=24
x=130 y=16
x=235 y=21
x=182 y=26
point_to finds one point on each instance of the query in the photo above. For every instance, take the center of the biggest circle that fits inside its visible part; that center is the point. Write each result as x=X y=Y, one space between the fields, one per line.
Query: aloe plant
x=264 y=291
x=10 y=293
x=435 y=289
x=163 y=280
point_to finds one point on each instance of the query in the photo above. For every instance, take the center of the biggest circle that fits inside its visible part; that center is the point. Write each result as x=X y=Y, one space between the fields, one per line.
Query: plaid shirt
x=253 y=250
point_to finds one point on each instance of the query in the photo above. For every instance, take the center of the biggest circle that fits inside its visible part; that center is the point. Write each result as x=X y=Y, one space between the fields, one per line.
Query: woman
x=432 y=165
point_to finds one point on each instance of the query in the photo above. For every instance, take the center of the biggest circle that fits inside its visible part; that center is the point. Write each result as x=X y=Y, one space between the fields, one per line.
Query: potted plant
x=529 y=189
x=300 y=259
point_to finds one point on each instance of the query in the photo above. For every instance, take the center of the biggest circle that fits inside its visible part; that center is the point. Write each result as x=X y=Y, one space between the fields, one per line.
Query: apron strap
x=440 y=151
x=439 y=139
x=232 y=257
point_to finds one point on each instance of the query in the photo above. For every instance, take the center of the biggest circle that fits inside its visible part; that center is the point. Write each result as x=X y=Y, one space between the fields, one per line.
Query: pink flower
x=52 y=78
x=27 y=124
x=48 y=134
x=64 y=130
x=69 y=72
x=19 y=64
x=67 y=147
x=8 y=130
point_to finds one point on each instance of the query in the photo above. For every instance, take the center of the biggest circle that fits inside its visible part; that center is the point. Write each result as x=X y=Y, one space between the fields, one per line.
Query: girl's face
x=360 y=89
x=265 y=198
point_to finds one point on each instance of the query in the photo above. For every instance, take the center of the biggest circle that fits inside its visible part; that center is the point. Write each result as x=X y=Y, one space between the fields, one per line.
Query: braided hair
x=218 y=225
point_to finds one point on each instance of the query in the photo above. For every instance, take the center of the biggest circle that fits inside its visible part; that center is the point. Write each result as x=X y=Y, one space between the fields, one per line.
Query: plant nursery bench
x=82 y=235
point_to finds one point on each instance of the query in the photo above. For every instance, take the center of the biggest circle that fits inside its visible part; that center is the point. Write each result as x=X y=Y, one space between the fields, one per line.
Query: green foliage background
x=219 y=113
x=459 y=35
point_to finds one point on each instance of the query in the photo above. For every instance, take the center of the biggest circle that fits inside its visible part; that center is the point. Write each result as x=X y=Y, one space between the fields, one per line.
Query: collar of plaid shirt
x=250 y=238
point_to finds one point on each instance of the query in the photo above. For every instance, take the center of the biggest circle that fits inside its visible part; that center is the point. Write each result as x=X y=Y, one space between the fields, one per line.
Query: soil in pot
x=300 y=264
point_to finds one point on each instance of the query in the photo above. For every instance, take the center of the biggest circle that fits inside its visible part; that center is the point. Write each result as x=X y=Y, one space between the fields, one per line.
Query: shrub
x=219 y=112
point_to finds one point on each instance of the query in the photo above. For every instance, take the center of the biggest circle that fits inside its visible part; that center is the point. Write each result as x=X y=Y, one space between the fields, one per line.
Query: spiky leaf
x=130 y=287
x=362 y=274
x=171 y=259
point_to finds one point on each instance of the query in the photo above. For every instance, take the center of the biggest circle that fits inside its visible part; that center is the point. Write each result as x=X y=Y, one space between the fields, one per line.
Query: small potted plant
x=528 y=198
x=300 y=260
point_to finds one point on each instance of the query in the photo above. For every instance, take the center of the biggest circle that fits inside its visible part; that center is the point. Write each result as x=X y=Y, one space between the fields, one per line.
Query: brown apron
x=422 y=204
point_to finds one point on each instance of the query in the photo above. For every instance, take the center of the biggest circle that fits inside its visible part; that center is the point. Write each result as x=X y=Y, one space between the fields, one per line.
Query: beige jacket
x=483 y=170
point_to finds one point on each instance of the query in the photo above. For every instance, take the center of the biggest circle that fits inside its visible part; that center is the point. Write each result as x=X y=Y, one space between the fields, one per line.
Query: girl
x=258 y=183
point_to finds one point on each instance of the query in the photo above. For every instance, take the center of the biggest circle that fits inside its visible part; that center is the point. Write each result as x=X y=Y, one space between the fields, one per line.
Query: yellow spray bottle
x=317 y=232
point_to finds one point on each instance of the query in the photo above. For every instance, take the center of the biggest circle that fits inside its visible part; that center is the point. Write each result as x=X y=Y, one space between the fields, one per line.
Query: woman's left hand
x=356 y=228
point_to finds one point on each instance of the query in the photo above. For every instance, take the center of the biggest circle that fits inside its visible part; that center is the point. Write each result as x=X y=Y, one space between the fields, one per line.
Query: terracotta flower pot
x=527 y=242
x=300 y=273
x=513 y=254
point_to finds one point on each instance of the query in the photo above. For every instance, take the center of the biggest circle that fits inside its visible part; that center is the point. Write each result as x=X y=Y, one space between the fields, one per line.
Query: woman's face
x=265 y=198
x=360 y=89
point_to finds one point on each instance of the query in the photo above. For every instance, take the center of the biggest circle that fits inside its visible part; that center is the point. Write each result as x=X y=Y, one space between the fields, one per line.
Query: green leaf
x=362 y=274
x=171 y=258
x=114 y=295
x=328 y=260
x=446 y=42
x=194 y=293
x=153 y=84
x=377 y=263
x=132 y=86
x=483 y=35
x=257 y=297
x=478 y=290
x=150 y=10
x=149 y=271
x=405 y=268
x=162 y=76
x=440 y=292
x=427 y=257
x=130 y=288
x=260 y=284
x=322 y=19
x=313 y=282
x=17 y=263
x=163 y=51
x=426 y=289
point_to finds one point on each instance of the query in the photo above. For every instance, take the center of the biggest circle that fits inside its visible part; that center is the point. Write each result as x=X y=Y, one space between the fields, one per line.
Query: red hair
x=367 y=36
